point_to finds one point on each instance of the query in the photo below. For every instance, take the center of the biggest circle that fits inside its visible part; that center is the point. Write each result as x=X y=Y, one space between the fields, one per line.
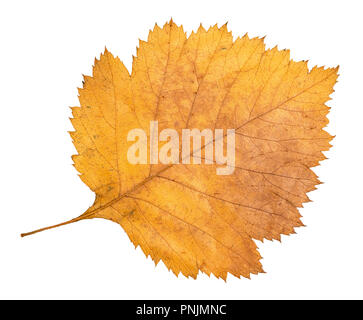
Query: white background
x=45 y=47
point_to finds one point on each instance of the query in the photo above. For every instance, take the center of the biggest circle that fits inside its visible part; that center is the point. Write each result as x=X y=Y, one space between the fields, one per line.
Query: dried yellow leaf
x=186 y=215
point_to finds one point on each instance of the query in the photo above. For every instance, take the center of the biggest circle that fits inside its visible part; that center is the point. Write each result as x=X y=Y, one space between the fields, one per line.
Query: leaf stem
x=52 y=227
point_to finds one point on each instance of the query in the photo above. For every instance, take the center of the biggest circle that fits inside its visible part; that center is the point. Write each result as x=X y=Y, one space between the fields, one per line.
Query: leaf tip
x=201 y=28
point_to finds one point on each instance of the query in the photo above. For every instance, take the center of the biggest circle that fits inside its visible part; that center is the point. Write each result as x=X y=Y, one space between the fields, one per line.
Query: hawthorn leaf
x=185 y=214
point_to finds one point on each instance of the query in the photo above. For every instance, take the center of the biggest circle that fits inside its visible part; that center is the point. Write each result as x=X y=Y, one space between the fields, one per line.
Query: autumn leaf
x=185 y=214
